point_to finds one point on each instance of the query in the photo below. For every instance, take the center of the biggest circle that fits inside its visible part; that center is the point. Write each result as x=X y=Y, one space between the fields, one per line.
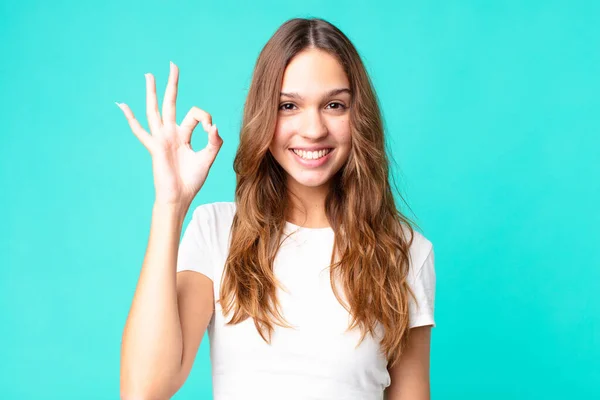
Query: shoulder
x=211 y=224
x=214 y=220
x=421 y=249
x=220 y=212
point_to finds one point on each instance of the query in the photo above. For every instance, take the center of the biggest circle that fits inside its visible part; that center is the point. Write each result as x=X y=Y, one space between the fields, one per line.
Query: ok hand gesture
x=179 y=172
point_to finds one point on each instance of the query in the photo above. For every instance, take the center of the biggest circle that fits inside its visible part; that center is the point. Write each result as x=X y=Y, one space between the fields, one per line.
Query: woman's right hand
x=179 y=172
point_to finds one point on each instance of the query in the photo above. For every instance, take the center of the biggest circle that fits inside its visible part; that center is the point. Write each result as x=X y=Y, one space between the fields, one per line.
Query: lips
x=311 y=155
x=311 y=148
x=313 y=162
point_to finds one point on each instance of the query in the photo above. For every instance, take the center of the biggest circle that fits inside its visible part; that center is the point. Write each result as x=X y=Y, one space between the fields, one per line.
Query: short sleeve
x=194 y=249
x=422 y=283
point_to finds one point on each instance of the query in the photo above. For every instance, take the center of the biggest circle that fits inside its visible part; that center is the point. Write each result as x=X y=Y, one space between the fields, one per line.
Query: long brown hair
x=371 y=237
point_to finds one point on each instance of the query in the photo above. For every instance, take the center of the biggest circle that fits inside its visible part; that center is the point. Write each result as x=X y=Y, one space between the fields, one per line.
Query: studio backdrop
x=491 y=112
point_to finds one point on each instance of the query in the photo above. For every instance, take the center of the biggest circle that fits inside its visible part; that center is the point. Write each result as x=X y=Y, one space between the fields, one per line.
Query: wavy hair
x=370 y=256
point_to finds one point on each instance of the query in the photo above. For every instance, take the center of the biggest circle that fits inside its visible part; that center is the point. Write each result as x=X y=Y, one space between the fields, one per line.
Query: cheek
x=286 y=127
x=283 y=132
x=340 y=129
x=277 y=138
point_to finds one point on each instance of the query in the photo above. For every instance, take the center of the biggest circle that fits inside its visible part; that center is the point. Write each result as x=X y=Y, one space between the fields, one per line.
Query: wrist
x=174 y=211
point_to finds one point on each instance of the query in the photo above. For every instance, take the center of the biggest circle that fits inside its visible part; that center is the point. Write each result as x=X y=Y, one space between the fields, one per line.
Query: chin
x=312 y=182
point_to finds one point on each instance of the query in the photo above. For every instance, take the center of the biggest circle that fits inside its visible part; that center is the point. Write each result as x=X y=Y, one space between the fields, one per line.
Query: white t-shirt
x=317 y=359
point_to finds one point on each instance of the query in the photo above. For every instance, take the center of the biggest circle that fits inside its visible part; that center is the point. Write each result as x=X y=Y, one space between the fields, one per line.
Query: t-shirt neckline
x=295 y=227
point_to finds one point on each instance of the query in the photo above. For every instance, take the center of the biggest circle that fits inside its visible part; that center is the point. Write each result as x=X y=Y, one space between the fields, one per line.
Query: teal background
x=492 y=108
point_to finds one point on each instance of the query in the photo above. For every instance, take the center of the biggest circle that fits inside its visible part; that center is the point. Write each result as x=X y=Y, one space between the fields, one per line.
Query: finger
x=168 y=110
x=136 y=128
x=214 y=140
x=152 y=104
x=191 y=120
x=212 y=148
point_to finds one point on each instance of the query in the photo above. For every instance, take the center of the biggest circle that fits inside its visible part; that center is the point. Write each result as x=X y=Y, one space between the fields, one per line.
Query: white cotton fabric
x=317 y=359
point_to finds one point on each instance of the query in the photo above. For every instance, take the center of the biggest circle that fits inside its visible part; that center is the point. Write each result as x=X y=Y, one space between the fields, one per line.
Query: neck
x=307 y=205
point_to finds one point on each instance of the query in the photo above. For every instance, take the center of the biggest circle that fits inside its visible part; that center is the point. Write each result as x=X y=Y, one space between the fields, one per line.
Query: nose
x=313 y=126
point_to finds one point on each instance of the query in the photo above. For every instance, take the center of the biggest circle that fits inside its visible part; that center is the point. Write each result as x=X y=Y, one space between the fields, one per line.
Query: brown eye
x=284 y=107
x=340 y=106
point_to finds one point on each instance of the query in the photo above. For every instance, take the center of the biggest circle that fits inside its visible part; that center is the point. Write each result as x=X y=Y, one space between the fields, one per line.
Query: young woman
x=312 y=284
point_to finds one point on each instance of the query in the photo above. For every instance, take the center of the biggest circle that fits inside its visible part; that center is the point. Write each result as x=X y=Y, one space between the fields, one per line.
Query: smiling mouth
x=311 y=155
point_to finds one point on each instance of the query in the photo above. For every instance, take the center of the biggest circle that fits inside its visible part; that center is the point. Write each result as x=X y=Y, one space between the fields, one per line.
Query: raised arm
x=170 y=311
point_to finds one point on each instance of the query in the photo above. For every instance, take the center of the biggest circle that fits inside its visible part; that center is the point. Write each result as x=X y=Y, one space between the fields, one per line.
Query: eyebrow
x=333 y=92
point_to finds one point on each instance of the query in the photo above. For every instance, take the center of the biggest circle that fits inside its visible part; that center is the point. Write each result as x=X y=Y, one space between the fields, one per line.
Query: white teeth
x=311 y=155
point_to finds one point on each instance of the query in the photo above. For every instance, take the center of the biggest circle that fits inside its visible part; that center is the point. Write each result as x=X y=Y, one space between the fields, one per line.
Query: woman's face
x=312 y=135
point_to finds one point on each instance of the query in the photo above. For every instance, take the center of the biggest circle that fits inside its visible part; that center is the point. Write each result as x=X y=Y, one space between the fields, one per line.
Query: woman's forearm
x=152 y=341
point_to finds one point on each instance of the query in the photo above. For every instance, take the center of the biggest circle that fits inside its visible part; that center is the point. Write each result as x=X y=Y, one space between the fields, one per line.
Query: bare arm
x=168 y=316
x=170 y=311
x=410 y=376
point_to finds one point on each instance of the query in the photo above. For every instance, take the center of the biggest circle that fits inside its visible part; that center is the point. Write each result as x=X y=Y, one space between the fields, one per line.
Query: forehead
x=313 y=71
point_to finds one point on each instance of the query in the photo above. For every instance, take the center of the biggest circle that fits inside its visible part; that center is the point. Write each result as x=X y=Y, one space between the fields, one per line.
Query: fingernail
x=118 y=105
